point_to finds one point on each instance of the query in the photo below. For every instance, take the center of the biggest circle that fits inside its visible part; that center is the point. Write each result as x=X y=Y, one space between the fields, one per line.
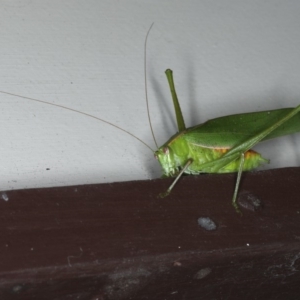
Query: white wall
x=227 y=56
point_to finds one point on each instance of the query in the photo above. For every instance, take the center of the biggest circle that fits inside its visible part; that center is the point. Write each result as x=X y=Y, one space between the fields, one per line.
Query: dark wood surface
x=119 y=241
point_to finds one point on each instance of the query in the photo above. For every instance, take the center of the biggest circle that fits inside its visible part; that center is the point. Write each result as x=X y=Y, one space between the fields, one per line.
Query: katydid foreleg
x=162 y=195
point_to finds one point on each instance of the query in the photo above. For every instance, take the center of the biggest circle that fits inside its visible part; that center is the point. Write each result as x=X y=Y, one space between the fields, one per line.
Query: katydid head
x=165 y=157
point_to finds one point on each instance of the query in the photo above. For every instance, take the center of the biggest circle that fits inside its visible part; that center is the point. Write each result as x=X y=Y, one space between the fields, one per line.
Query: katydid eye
x=166 y=150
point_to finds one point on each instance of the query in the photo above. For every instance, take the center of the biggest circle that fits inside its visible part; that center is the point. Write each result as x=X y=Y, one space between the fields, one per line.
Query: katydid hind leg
x=178 y=112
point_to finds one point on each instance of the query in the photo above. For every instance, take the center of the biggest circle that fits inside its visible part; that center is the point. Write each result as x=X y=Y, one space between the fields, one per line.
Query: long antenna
x=146 y=87
x=79 y=112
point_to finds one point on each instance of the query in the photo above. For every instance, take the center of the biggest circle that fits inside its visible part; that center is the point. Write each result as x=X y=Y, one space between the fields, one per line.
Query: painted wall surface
x=227 y=57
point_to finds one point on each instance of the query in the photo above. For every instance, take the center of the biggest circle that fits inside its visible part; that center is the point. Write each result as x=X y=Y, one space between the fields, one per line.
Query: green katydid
x=220 y=145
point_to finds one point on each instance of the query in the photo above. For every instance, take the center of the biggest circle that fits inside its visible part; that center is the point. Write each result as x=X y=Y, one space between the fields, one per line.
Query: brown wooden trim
x=119 y=241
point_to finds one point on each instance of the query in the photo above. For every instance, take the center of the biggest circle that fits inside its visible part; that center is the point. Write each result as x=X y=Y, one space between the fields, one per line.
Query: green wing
x=233 y=130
